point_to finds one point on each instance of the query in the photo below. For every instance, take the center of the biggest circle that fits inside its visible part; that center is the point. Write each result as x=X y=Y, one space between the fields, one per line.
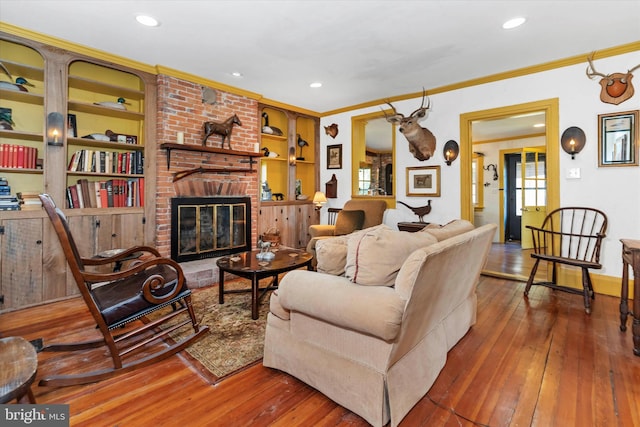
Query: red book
x=13 y=159
x=2 y=156
x=103 y=194
x=141 y=191
x=20 y=156
x=74 y=197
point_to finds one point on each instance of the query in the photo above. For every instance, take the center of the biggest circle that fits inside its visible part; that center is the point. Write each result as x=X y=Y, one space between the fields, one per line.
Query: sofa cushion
x=348 y=222
x=375 y=257
x=450 y=229
x=331 y=255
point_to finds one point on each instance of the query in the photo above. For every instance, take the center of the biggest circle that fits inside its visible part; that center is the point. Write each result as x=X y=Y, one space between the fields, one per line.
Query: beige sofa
x=376 y=348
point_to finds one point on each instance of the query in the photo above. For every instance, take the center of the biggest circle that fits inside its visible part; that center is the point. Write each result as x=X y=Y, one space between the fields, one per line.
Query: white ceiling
x=361 y=51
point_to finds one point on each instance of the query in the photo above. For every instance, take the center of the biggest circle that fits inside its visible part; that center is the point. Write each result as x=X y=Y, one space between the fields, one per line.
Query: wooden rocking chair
x=570 y=236
x=120 y=297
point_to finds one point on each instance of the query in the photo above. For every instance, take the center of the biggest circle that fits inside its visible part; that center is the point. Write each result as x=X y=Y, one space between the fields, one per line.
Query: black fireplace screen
x=204 y=227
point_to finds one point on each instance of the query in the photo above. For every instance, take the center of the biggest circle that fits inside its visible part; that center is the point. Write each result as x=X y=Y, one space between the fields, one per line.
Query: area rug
x=234 y=340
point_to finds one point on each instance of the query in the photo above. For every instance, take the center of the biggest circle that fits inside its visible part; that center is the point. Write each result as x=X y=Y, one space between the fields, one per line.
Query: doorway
x=550 y=133
x=513 y=214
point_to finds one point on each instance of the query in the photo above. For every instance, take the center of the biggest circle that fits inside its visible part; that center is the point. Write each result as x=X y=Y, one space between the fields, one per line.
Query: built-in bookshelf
x=104 y=154
x=105 y=137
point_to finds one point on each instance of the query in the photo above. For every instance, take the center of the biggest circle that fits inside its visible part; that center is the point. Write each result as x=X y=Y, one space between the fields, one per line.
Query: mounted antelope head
x=422 y=143
x=616 y=87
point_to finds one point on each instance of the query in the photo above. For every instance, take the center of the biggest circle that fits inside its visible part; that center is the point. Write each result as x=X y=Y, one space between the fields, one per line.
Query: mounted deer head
x=422 y=143
x=616 y=87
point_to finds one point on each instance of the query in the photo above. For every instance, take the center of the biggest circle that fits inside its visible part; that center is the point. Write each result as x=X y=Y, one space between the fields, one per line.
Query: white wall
x=615 y=190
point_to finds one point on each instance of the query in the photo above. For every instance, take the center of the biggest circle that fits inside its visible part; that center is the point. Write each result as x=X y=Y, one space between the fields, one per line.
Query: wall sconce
x=292 y=156
x=573 y=140
x=55 y=129
x=450 y=151
x=494 y=168
x=319 y=199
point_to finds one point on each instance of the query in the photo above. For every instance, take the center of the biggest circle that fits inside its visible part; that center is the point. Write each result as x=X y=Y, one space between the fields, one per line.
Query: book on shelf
x=18 y=156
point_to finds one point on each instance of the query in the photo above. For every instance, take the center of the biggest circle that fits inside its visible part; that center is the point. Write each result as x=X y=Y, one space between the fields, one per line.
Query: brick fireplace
x=181 y=109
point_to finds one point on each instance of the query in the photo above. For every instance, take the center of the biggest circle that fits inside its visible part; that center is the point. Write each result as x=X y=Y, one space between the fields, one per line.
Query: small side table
x=412 y=227
x=631 y=257
x=19 y=363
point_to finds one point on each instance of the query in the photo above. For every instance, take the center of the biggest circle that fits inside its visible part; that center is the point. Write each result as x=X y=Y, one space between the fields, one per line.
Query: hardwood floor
x=539 y=361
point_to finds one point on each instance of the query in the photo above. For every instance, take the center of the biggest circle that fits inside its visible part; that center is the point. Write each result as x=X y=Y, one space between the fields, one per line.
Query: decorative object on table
x=6 y=121
x=120 y=104
x=319 y=199
x=618 y=139
x=334 y=156
x=72 y=126
x=423 y=181
x=265 y=253
x=422 y=143
x=266 y=191
x=18 y=86
x=331 y=187
x=301 y=143
x=223 y=129
x=616 y=87
x=421 y=211
x=573 y=140
x=450 y=151
x=271 y=236
x=331 y=130
x=55 y=129
x=494 y=168
x=270 y=130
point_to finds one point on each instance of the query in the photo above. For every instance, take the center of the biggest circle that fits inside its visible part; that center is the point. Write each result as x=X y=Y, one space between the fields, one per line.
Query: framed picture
x=72 y=126
x=618 y=139
x=334 y=156
x=423 y=181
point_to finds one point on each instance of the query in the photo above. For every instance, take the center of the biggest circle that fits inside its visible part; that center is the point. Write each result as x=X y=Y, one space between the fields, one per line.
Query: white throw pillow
x=375 y=256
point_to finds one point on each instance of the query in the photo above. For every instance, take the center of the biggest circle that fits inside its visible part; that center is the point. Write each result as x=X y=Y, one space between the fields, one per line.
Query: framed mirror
x=373 y=157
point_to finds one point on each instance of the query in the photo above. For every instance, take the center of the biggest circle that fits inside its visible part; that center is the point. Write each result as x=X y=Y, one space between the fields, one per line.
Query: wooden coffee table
x=246 y=265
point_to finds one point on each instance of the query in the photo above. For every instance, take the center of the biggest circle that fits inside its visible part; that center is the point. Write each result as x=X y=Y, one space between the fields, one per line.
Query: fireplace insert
x=207 y=227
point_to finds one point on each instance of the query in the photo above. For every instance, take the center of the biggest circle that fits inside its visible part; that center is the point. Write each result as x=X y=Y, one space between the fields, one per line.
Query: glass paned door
x=533 y=191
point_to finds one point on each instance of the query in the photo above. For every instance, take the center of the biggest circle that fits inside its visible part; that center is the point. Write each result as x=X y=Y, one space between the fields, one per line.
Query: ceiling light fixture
x=513 y=23
x=236 y=74
x=147 y=21
x=315 y=85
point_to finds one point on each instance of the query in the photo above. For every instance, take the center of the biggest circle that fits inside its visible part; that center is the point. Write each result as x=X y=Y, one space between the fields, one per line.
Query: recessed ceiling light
x=315 y=85
x=236 y=74
x=147 y=20
x=513 y=23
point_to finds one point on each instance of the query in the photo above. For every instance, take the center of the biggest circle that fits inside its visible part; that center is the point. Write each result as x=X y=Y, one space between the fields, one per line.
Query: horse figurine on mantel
x=220 y=128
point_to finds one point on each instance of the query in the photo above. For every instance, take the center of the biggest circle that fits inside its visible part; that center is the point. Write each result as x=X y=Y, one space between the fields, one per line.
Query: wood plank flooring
x=538 y=362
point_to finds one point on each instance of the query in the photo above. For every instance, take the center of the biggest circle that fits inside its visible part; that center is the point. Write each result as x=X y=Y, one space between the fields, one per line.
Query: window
x=477 y=187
